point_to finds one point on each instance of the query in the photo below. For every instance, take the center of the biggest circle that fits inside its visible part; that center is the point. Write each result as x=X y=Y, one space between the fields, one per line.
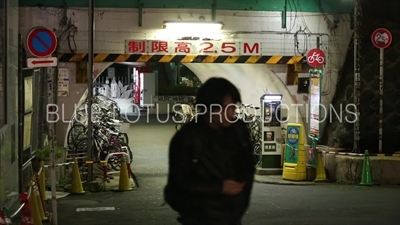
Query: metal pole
x=21 y=114
x=356 y=94
x=53 y=182
x=90 y=87
x=381 y=68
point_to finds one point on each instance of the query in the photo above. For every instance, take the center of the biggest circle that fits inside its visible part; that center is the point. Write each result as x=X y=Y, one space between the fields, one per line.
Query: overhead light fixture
x=199 y=26
x=272 y=97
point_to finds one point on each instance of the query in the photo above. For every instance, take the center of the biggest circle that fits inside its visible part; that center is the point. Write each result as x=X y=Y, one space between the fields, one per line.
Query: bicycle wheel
x=178 y=126
x=115 y=161
x=257 y=153
x=134 y=178
x=123 y=137
x=124 y=147
x=75 y=133
x=257 y=149
x=118 y=113
x=79 y=146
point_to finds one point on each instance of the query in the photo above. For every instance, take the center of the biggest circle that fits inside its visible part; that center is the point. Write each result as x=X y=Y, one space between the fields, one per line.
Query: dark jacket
x=200 y=158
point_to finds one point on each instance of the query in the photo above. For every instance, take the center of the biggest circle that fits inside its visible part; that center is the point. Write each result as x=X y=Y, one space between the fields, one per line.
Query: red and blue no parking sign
x=41 y=42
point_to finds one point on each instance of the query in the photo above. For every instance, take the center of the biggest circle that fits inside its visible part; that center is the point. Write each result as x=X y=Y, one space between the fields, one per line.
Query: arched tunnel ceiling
x=253 y=80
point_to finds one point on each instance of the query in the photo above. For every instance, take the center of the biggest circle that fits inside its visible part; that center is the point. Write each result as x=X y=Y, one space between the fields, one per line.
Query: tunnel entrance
x=254 y=75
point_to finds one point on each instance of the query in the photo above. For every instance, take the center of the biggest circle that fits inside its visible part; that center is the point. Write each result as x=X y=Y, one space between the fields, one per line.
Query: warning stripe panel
x=247 y=59
x=394 y=155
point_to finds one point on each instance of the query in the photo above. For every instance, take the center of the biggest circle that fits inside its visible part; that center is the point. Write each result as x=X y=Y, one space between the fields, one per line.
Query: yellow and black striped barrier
x=97 y=161
x=392 y=155
x=248 y=59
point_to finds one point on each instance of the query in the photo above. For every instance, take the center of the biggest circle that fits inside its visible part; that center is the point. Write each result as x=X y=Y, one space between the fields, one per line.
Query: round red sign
x=381 y=38
x=316 y=58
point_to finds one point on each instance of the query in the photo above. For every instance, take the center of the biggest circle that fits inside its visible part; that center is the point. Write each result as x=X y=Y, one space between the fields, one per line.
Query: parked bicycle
x=184 y=113
x=107 y=137
x=254 y=123
x=100 y=105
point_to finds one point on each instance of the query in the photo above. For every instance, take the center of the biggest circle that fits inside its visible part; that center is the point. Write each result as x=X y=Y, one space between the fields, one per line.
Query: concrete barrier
x=348 y=169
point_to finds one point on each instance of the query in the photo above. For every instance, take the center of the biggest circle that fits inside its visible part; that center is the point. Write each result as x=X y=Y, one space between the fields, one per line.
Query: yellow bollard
x=42 y=181
x=124 y=183
x=321 y=176
x=33 y=205
x=76 y=184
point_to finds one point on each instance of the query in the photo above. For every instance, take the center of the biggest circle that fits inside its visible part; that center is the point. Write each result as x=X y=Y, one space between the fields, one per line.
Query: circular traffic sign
x=381 y=38
x=41 y=42
x=316 y=58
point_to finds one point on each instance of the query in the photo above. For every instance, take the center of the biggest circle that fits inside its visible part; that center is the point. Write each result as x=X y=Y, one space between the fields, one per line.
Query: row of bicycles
x=185 y=112
x=106 y=135
x=249 y=114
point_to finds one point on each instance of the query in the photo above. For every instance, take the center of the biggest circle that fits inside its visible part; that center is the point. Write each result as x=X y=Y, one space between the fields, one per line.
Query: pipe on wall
x=284 y=14
x=214 y=10
x=277 y=32
x=140 y=14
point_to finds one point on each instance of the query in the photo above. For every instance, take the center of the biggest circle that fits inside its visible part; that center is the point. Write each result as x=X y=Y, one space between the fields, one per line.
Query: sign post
x=315 y=59
x=90 y=70
x=357 y=76
x=381 y=38
x=47 y=62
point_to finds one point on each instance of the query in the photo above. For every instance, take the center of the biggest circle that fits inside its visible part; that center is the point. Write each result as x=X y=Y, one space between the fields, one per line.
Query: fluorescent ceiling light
x=272 y=97
x=132 y=63
x=193 y=26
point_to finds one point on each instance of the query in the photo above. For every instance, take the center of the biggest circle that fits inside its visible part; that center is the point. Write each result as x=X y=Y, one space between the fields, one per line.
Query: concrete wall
x=114 y=26
x=9 y=131
x=385 y=170
x=327 y=6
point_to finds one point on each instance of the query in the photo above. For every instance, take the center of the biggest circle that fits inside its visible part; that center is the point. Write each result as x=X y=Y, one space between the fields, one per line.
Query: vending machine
x=147 y=89
x=144 y=86
x=273 y=114
x=138 y=84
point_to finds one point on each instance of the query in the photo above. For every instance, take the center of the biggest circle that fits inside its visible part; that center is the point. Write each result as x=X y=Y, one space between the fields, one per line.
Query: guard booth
x=272 y=115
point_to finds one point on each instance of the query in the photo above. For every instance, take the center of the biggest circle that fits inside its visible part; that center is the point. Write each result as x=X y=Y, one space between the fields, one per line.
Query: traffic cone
x=40 y=203
x=42 y=181
x=4 y=217
x=320 y=170
x=76 y=184
x=26 y=217
x=124 y=182
x=366 y=177
x=40 y=200
x=30 y=214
